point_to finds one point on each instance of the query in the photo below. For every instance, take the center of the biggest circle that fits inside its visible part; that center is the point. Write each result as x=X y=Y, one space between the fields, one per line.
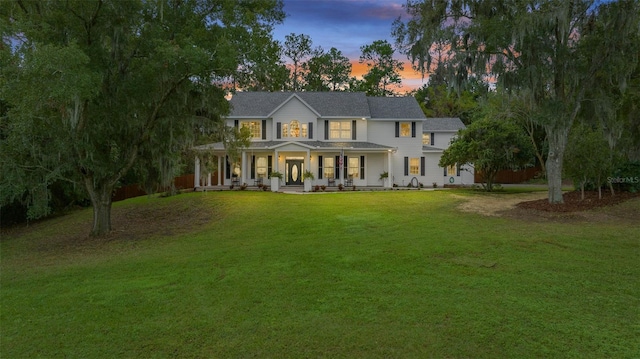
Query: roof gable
x=324 y=104
x=327 y=105
x=291 y=99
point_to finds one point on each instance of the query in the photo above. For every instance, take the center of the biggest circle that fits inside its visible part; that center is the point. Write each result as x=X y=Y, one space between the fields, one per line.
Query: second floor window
x=294 y=129
x=340 y=130
x=405 y=129
x=254 y=127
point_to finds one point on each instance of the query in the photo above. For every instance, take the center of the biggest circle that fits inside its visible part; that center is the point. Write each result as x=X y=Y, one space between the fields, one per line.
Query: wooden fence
x=509 y=176
x=135 y=190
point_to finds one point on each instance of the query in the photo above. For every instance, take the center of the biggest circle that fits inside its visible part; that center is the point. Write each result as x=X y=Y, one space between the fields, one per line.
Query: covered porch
x=331 y=164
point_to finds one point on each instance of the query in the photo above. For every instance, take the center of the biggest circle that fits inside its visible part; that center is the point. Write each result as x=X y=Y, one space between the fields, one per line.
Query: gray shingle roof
x=327 y=104
x=442 y=124
x=395 y=107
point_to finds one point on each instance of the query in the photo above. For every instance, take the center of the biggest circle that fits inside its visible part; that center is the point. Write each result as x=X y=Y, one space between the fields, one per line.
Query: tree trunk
x=557 y=143
x=100 y=196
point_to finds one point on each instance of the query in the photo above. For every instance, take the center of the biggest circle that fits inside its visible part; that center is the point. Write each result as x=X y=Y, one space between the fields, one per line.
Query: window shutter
x=433 y=139
x=235 y=123
x=227 y=169
x=445 y=171
x=397 y=129
x=253 y=167
x=354 y=125
x=270 y=165
x=337 y=169
x=326 y=130
x=458 y=170
x=422 y=165
x=345 y=167
x=264 y=129
x=319 y=164
x=278 y=130
x=406 y=166
x=413 y=129
x=310 y=130
x=362 y=167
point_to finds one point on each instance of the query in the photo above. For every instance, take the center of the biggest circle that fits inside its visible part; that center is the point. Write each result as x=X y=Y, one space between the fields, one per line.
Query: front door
x=294 y=173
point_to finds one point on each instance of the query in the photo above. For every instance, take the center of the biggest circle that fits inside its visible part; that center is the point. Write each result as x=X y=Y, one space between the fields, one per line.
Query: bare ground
x=622 y=207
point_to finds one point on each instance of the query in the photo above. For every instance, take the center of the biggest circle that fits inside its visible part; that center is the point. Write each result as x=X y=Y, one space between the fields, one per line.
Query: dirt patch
x=493 y=204
x=623 y=207
x=130 y=222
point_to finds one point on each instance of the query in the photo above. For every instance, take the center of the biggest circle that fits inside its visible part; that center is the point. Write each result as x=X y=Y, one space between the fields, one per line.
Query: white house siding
x=443 y=139
x=382 y=132
x=294 y=109
x=433 y=172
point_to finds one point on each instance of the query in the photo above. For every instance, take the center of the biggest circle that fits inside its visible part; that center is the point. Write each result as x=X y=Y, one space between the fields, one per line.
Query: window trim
x=343 y=133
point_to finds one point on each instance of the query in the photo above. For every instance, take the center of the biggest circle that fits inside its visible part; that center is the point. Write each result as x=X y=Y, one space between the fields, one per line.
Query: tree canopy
x=549 y=51
x=92 y=87
x=490 y=145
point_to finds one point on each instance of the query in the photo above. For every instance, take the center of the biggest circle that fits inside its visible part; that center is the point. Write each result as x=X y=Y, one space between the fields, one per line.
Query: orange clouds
x=411 y=80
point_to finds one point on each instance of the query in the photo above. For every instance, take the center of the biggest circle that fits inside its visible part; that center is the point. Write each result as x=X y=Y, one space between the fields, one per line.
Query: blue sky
x=346 y=25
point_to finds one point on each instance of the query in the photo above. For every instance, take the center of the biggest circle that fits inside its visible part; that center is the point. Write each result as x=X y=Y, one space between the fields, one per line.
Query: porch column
x=220 y=169
x=275 y=162
x=196 y=171
x=243 y=168
x=209 y=179
x=389 y=170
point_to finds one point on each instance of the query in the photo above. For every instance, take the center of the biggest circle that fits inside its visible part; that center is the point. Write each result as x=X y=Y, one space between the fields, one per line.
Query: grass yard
x=402 y=274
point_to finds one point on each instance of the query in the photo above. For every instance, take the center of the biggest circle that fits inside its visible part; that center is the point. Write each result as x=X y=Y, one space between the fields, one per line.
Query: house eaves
x=295 y=95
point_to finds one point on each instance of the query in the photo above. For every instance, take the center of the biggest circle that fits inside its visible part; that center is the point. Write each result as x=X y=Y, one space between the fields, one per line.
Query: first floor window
x=329 y=166
x=414 y=166
x=354 y=166
x=452 y=170
x=261 y=166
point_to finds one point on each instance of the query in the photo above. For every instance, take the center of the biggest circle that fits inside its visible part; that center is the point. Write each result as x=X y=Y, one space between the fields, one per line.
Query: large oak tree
x=548 y=51
x=92 y=85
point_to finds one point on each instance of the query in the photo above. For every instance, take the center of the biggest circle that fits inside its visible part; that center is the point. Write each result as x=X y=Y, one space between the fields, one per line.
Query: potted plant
x=307 y=177
x=275 y=180
x=383 y=177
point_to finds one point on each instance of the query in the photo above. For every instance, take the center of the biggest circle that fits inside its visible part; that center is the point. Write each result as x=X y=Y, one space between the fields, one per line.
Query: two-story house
x=341 y=137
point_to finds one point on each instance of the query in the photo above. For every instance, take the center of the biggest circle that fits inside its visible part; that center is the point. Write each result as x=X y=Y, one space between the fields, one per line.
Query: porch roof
x=313 y=145
x=431 y=149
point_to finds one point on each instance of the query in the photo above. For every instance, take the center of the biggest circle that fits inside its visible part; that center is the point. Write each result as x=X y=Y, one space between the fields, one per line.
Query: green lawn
x=399 y=274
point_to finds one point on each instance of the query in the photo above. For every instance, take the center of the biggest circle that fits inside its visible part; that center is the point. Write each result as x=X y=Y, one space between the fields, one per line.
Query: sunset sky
x=347 y=25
